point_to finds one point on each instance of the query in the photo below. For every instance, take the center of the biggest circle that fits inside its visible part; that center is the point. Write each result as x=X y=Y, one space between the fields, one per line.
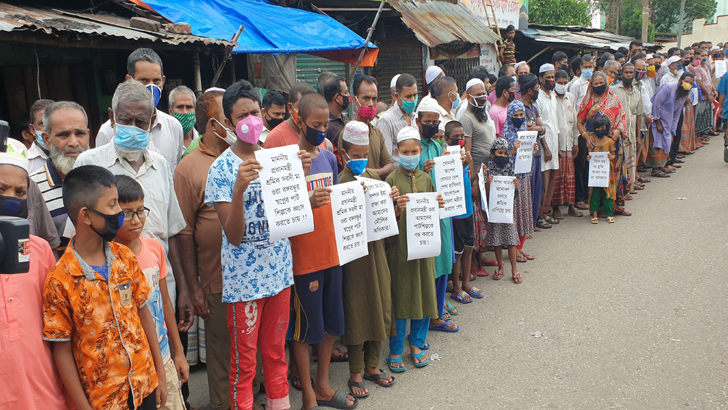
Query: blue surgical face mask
x=130 y=138
x=409 y=162
x=40 y=141
x=455 y=103
x=156 y=92
x=515 y=79
x=409 y=106
x=587 y=73
x=357 y=166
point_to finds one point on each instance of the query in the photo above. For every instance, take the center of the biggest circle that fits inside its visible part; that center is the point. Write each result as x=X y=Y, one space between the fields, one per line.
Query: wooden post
x=198 y=76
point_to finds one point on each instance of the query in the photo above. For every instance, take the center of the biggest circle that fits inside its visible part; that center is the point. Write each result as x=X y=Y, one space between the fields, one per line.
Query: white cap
x=715 y=48
x=672 y=60
x=15 y=155
x=546 y=67
x=429 y=105
x=649 y=56
x=518 y=64
x=356 y=133
x=472 y=82
x=408 y=133
x=215 y=89
x=432 y=73
x=393 y=83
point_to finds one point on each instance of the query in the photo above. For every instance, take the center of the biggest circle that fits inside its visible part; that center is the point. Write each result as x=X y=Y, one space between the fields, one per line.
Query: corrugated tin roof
x=592 y=38
x=439 y=22
x=54 y=22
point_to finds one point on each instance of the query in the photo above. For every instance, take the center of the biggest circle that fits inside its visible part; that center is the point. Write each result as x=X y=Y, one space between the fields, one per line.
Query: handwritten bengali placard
x=599 y=169
x=423 y=226
x=502 y=190
x=453 y=150
x=283 y=185
x=483 y=194
x=449 y=183
x=381 y=221
x=524 y=154
x=348 y=205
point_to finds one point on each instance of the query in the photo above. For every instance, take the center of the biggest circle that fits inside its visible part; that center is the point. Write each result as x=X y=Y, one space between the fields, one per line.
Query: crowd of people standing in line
x=164 y=220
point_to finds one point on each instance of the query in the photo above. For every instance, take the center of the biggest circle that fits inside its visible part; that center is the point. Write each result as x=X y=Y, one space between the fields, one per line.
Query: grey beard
x=129 y=156
x=64 y=164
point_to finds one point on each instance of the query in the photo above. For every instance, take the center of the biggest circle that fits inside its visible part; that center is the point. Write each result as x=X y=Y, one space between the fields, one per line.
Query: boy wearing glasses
x=152 y=262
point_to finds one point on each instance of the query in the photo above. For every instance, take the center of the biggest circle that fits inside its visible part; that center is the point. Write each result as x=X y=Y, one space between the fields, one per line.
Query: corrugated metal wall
x=309 y=68
x=396 y=56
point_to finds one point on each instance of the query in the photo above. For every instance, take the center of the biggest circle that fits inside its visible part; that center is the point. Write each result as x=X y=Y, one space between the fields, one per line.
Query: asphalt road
x=631 y=315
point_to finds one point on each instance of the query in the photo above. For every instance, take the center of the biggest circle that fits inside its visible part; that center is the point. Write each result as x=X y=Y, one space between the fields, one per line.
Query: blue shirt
x=468 y=194
x=258 y=268
x=723 y=89
x=101 y=270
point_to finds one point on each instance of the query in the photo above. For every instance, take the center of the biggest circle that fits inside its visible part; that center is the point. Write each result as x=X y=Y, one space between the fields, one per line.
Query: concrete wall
x=716 y=32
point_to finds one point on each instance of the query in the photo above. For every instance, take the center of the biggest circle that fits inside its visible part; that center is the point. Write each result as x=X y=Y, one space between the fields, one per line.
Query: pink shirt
x=499 y=117
x=27 y=375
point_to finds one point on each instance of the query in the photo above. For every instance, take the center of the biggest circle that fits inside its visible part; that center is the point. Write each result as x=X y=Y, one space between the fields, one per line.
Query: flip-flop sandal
x=517 y=278
x=476 y=293
x=360 y=385
x=377 y=378
x=498 y=275
x=451 y=309
x=460 y=297
x=623 y=213
x=610 y=219
x=293 y=380
x=443 y=328
x=576 y=213
x=398 y=361
x=480 y=272
x=341 y=356
x=521 y=259
x=491 y=262
x=425 y=347
x=418 y=356
x=338 y=401
x=595 y=221
x=661 y=174
x=581 y=206
x=529 y=256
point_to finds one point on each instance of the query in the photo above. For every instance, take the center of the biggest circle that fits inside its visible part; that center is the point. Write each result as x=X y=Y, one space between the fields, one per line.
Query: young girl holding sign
x=503 y=234
x=597 y=196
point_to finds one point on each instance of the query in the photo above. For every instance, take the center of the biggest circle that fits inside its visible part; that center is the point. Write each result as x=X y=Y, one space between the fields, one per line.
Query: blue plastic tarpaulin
x=268 y=28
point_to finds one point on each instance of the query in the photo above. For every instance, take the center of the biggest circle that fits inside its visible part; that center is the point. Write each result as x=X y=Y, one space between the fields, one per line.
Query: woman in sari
x=600 y=101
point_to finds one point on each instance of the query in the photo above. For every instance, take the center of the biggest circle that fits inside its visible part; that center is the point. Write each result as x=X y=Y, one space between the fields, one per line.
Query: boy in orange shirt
x=95 y=306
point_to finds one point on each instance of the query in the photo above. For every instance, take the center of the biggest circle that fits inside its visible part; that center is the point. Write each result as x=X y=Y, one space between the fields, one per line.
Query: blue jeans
x=418 y=334
x=441 y=293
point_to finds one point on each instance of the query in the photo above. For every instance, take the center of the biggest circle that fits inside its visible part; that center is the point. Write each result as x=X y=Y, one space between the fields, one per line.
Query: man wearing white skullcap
x=547 y=107
x=433 y=73
x=33 y=382
x=672 y=72
x=393 y=90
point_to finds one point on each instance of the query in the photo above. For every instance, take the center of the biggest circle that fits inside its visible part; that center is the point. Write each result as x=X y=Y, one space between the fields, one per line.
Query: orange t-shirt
x=281 y=136
x=315 y=251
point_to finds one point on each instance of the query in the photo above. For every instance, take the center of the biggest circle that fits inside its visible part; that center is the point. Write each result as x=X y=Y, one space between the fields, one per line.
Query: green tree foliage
x=631 y=24
x=560 y=12
x=666 y=13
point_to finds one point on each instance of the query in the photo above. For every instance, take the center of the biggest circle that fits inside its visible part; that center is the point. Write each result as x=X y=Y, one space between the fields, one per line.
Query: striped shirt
x=51 y=187
x=509 y=52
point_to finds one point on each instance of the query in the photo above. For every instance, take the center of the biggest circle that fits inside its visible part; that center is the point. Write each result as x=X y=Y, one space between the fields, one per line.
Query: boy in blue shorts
x=317 y=311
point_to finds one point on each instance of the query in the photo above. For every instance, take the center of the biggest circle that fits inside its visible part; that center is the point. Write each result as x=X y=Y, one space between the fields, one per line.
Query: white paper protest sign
x=599 y=169
x=381 y=221
x=348 y=206
x=449 y=183
x=720 y=68
x=524 y=154
x=423 y=226
x=283 y=186
x=483 y=195
x=502 y=190
x=453 y=150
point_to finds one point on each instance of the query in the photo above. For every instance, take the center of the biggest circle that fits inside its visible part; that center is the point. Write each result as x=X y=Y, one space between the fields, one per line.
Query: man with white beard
x=66 y=134
x=131 y=115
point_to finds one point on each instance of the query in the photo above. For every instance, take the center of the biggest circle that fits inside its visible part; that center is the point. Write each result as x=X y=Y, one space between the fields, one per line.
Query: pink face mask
x=696 y=63
x=249 y=129
x=367 y=113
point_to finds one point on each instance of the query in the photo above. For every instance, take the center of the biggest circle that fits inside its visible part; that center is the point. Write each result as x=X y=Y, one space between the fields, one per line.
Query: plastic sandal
x=476 y=293
x=397 y=360
x=418 y=356
x=480 y=272
x=451 y=309
x=426 y=347
x=377 y=378
x=443 y=328
x=338 y=401
x=460 y=297
x=360 y=385
x=517 y=278
x=498 y=275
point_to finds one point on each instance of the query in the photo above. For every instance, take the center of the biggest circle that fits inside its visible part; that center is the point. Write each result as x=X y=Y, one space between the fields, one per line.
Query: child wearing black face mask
x=598 y=195
x=96 y=286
